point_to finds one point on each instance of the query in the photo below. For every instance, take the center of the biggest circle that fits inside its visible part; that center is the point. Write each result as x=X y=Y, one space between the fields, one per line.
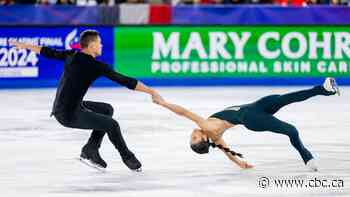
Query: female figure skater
x=256 y=116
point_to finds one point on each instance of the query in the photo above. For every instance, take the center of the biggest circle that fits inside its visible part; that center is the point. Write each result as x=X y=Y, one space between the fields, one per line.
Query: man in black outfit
x=81 y=69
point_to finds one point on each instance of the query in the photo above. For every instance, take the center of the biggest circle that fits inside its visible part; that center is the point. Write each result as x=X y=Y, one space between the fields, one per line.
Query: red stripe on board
x=160 y=14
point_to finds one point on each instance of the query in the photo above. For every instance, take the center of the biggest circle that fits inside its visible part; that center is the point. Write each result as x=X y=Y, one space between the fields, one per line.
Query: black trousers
x=258 y=116
x=97 y=116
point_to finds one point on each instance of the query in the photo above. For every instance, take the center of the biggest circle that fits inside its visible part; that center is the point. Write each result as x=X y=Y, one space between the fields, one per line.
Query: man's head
x=90 y=40
x=199 y=142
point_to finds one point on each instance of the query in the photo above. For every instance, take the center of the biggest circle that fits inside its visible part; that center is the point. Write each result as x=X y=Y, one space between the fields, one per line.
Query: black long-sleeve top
x=80 y=71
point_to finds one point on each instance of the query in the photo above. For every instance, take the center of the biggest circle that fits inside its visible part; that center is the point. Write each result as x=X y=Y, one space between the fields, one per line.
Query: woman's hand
x=157 y=99
x=245 y=165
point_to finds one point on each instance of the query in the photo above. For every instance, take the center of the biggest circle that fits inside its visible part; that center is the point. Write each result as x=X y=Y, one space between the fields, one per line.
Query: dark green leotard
x=258 y=116
x=233 y=114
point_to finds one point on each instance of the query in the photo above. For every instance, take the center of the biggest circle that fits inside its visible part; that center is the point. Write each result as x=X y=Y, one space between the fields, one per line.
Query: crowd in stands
x=68 y=2
x=113 y=2
x=276 y=2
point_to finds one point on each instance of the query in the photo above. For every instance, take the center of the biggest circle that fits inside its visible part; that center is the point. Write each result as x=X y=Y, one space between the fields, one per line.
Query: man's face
x=96 y=46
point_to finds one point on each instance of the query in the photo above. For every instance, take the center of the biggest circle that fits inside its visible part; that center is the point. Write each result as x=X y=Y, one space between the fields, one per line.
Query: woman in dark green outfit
x=257 y=116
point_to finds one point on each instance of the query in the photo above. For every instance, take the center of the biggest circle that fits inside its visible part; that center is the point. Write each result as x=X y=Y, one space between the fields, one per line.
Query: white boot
x=330 y=85
x=311 y=165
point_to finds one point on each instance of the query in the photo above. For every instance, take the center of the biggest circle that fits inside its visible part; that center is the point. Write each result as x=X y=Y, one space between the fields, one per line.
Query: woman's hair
x=226 y=149
x=203 y=148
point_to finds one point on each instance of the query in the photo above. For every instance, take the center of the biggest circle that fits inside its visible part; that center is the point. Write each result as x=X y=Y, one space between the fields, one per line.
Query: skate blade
x=312 y=169
x=335 y=86
x=92 y=165
x=137 y=170
x=338 y=91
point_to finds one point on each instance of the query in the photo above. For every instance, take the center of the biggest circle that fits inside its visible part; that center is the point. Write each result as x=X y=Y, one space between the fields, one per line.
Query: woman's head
x=199 y=142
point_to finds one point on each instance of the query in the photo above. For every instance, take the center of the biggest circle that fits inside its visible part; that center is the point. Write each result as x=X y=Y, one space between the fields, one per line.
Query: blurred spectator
x=43 y=2
x=120 y=1
x=130 y=1
x=135 y=1
x=340 y=2
x=64 y=2
x=157 y=1
x=186 y=2
x=25 y=1
x=263 y=1
x=86 y=2
x=202 y=1
x=52 y=2
x=323 y=1
x=313 y=2
x=237 y=1
x=227 y=1
x=6 y=2
x=211 y=1
x=291 y=2
x=103 y=2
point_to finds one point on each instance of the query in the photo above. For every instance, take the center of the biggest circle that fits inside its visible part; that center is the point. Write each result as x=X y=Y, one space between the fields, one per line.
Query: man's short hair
x=88 y=36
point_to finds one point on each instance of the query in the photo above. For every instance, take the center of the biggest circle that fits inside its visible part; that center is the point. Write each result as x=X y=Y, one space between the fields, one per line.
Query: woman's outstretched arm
x=179 y=110
x=205 y=126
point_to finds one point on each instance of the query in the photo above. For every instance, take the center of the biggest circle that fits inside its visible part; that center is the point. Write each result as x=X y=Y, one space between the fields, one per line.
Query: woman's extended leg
x=271 y=104
x=261 y=121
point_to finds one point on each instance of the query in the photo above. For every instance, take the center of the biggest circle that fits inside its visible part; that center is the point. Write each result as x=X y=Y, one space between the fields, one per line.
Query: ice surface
x=39 y=156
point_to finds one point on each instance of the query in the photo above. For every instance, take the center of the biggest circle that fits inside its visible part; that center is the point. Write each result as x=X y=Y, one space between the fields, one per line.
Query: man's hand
x=245 y=165
x=18 y=45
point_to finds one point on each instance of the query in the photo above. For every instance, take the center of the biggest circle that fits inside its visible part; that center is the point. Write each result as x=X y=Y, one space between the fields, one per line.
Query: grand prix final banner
x=250 y=51
x=23 y=65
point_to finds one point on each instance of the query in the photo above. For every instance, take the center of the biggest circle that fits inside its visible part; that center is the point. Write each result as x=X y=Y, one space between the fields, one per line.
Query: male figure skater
x=81 y=69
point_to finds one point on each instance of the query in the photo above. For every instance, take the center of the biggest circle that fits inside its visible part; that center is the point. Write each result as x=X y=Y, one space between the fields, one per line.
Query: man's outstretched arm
x=44 y=51
x=143 y=88
x=20 y=45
